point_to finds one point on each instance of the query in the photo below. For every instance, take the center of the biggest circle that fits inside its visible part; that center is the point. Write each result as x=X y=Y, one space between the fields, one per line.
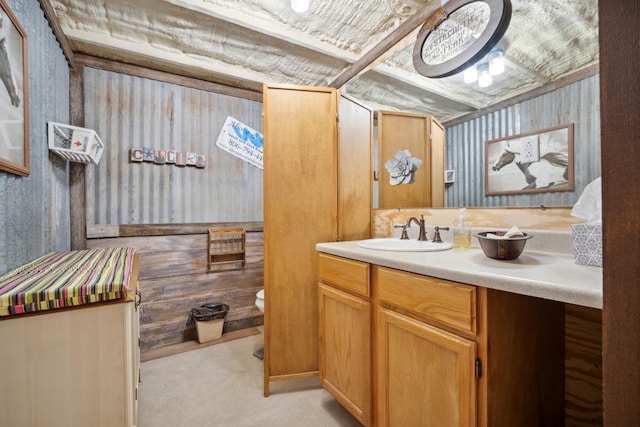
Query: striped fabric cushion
x=69 y=278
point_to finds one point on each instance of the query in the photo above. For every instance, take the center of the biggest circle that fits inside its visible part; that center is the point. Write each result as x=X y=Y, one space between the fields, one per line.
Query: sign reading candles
x=241 y=141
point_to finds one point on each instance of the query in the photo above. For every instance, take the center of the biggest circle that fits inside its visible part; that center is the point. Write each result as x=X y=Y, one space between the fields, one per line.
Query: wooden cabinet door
x=345 y=350
x=424 y=376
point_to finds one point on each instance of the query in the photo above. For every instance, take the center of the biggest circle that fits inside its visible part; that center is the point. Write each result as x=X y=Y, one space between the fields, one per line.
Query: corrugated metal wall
x=34 y=210
x=128 y=112
x=578 y=103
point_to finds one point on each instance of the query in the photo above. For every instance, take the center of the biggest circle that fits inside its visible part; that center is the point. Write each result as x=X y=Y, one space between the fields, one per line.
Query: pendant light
x=300 y=6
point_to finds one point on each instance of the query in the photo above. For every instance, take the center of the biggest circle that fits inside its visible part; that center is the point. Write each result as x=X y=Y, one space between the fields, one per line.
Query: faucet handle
x=436 y=237
x=404 y=235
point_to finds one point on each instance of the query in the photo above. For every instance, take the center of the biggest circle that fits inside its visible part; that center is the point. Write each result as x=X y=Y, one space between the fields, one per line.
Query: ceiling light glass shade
x=496 y=62
x=471 y=74
x=484 y=77
x=300 y=6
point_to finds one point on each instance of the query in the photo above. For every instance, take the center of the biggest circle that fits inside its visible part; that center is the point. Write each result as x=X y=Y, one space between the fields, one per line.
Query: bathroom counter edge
x=538 y=274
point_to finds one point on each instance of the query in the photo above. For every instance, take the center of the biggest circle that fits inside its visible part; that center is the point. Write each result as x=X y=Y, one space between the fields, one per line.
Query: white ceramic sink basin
x=397 y=245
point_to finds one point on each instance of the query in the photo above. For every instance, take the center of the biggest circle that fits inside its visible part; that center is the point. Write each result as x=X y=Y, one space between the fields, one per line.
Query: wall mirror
x=574 y=100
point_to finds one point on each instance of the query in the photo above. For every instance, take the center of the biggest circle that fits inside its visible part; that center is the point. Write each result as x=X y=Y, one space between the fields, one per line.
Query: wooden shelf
x=226 y=245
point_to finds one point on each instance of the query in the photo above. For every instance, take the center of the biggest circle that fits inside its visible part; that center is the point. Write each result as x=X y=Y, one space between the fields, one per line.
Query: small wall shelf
x=226 y=245
x=74 y=143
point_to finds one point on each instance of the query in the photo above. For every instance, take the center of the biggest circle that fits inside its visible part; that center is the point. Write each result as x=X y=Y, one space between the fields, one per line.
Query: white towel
x=512 y=232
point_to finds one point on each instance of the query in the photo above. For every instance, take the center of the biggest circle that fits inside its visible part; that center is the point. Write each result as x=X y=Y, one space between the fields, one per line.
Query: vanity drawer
x=346 y=274
x=449 y=303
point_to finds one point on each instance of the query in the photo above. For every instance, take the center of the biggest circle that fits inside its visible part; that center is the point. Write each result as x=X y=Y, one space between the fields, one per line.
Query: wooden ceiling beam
x=51 y=16
x=393 y=42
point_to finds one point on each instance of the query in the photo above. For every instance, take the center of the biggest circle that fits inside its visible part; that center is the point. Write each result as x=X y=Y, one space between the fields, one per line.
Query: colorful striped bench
x=65 y=279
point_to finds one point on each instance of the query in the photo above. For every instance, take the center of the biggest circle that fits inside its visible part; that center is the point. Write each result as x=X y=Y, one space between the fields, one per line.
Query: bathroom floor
x=221 y=385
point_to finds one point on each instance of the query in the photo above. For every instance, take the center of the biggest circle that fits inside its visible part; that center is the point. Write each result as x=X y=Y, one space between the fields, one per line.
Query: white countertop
x=534 y=273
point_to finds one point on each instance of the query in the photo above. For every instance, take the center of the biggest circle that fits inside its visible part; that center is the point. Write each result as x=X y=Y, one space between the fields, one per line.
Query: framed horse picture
x=14 y=100
x=534 y=162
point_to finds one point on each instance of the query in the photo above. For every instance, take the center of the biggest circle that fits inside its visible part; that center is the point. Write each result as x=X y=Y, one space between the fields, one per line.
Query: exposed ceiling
x=243 y=43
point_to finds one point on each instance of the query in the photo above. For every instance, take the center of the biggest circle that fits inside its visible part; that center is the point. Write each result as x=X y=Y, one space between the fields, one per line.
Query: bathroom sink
x=397 y=245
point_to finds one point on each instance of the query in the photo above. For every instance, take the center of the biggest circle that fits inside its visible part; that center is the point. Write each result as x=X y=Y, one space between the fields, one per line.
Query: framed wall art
x=14 y=100
x=534 y=162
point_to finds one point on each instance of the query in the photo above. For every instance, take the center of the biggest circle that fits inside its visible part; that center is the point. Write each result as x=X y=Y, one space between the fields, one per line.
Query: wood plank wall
x=583 y=366
x=174 y=277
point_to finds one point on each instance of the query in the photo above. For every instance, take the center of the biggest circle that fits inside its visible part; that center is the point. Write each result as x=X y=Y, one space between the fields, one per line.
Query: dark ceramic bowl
x=502 y=249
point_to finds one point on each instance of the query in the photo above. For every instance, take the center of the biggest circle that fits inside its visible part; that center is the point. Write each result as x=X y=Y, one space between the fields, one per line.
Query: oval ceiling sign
x=458 y=35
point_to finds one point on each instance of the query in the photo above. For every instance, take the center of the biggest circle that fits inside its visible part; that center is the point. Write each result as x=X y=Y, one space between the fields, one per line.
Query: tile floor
x=221 y=385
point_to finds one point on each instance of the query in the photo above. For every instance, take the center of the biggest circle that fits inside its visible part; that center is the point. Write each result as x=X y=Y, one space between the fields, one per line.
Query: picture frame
x=14 y=94
x=533 y=162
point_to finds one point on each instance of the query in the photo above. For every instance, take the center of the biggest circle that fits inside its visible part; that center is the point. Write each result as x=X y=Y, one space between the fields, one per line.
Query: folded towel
x=512 y=232
x=493 y=236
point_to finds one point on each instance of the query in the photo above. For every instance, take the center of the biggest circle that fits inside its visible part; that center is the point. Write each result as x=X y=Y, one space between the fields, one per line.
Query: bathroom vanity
x=448 y=338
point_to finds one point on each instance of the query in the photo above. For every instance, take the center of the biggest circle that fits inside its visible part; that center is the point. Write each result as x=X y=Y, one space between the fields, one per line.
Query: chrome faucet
x=422 y=235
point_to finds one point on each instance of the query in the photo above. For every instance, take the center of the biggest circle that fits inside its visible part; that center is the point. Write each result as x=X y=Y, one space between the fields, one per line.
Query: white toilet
x=260 y=304
x=260 y=300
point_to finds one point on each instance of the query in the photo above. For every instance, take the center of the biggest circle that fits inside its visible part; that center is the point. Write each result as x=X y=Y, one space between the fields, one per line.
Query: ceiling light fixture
x=496 y=62
x=484 y=76
x=300 y=6
x=471 y=75
x=483 y=71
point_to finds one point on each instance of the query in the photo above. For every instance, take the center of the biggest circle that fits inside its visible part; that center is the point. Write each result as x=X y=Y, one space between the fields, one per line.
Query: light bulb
x=496 y=62
x=300 y=6
x=470 y=74
x=484 y=77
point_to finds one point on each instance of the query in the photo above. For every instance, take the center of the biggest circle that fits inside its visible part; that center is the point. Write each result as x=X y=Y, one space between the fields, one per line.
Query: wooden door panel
x=300 y=210
x=355 y=170
x=407 y=132
x=437 y=164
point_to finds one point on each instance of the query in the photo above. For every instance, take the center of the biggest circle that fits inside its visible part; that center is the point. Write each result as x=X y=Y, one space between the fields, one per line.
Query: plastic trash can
x=209 y=320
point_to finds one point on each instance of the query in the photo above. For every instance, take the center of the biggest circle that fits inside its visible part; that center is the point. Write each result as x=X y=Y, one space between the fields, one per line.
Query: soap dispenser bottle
x=461 y=235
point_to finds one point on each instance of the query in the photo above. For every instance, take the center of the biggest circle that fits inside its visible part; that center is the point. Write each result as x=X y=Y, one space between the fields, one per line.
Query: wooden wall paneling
x=619 y=21
x=583 y=366
x=77 y=187
x=527 y=372
x=174 y=279
x=148 y=73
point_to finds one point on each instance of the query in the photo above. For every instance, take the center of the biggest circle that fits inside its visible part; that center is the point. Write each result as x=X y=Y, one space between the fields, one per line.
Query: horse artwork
x=527 y=163
x=14 y=119
x=6 y=68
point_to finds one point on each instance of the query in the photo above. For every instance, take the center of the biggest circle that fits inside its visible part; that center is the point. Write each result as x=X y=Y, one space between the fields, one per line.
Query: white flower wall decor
x=402 y=168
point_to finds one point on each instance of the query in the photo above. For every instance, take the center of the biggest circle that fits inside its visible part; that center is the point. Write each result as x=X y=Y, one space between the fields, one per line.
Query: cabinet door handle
x=478 y=368
x=138 y=298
